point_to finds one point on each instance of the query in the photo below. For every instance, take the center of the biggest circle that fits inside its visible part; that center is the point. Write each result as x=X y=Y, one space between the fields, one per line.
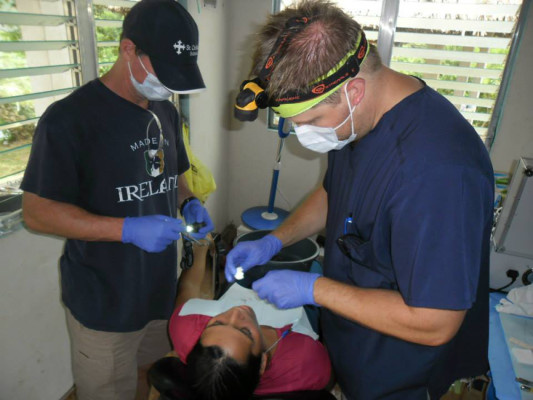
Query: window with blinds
x=48 y=48
x=39 y=64
x=458 y=47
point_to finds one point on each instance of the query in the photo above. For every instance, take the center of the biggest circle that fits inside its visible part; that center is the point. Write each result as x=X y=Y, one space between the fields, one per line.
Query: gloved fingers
x=235 y=258
x=158 y=246
x=231 y=266
x=191 y=206
x=262 y=287
x=230 y=276
x=162 y=217
x=204 y=230
x=176 y=225
x=193 y=212
x=169 y=236
x=242 y=255
x=152 y=233
x=268 y=288
x=209 y=226
x=172 y=223
x=287 y=288
x=248 y=254
x=170 y=228
x=199 y=214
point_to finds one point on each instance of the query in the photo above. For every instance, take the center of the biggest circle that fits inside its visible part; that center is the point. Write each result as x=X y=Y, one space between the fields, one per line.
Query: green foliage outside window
x=13 y=112
x=108 y=54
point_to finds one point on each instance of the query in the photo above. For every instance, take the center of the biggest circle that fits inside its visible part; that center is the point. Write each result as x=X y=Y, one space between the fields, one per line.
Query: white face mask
x=151 y=88
x=322 y=139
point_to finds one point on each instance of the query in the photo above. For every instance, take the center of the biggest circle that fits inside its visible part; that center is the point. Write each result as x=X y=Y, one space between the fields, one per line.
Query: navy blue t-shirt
x=102 y=153
x=419 y=189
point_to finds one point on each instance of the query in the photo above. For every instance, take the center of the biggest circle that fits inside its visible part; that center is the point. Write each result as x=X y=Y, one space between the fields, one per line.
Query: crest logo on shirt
x=155 y=162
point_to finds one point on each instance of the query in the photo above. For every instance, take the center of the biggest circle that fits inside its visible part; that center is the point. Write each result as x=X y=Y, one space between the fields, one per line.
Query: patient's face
x=236 y=331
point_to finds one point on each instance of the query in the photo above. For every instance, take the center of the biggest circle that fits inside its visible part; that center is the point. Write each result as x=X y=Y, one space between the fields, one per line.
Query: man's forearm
x=190 y=281
x=183 y=189
x=385 y=311
x=69 y=221
x=309 y=218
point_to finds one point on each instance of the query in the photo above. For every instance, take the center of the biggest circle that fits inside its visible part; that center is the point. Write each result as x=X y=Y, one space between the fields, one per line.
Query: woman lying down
x=240 y=344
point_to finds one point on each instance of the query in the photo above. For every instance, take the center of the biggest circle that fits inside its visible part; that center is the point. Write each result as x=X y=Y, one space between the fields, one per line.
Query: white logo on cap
x=179 y=46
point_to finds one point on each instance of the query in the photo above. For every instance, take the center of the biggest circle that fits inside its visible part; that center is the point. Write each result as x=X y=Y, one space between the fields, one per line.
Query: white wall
x=240 y=155
x=34 y=343
x=208 y=117
x=252 y=147
x=514 y=139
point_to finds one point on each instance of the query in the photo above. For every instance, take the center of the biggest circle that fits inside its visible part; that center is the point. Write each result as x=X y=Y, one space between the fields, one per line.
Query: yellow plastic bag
x=199 y=177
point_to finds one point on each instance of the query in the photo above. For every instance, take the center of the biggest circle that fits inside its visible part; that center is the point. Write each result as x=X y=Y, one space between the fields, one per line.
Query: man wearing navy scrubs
x=406 y=203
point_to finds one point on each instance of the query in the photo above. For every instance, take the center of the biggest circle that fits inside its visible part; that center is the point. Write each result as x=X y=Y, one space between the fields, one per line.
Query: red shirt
x=299 y=362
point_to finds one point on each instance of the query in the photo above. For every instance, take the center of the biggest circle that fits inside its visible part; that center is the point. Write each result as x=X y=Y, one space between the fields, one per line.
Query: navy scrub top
x=419 y=190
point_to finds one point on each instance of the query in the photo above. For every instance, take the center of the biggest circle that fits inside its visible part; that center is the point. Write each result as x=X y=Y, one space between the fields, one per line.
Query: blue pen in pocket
x=348 y=223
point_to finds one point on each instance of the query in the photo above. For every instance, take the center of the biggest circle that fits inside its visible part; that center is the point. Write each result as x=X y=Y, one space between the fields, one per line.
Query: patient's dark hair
x=213 y=375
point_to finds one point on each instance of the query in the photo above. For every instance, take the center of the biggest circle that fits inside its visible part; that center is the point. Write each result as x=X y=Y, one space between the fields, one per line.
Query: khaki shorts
x=104 y=364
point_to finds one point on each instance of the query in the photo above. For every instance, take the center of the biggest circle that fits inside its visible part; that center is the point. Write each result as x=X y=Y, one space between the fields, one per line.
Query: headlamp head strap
x=348 y=69
x=292 y=26
x=252 y=95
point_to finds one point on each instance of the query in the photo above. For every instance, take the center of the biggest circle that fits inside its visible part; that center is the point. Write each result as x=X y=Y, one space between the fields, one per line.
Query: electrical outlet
x=502 y=267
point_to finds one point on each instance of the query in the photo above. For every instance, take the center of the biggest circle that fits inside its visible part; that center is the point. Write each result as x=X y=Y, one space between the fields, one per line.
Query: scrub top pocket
x=364 y=265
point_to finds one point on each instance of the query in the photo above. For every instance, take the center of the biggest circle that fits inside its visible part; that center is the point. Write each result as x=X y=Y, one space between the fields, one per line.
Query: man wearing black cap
x=105 y=172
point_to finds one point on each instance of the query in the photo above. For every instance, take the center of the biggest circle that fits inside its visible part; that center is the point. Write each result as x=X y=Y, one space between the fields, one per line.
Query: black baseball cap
x=167 y=33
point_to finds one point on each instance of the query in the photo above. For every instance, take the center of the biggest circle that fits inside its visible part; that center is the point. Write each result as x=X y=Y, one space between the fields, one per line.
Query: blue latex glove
x=287 y=288
x=193 y=212
x=251 y=253
x=152 y=233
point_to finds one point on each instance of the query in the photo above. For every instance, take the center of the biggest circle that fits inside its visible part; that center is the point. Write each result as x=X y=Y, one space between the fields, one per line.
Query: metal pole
x=86 y=40
x=387 y=27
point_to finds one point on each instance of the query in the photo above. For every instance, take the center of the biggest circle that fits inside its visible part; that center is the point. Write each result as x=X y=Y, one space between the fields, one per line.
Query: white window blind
x=46 y=52
x=458 y=48
x=48 y=48
x=39 y=64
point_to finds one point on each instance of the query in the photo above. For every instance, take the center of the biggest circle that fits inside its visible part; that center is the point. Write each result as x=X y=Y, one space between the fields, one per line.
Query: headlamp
x=252 y=95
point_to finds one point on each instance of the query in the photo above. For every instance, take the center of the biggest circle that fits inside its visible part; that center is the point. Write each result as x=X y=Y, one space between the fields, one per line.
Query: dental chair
x=168 y=377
